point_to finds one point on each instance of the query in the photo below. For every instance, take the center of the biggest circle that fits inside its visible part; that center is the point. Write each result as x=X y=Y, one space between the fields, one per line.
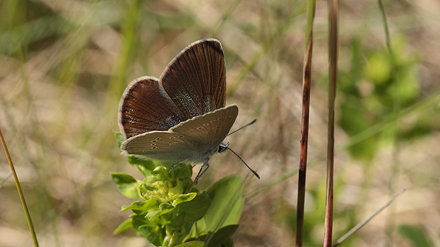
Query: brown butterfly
x=181 y=116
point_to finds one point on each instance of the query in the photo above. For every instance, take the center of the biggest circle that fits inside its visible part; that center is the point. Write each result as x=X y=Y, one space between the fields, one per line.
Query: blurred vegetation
x=65 y=64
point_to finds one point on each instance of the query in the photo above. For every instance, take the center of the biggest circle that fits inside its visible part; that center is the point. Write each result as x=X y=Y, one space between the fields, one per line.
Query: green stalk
x=20 y=192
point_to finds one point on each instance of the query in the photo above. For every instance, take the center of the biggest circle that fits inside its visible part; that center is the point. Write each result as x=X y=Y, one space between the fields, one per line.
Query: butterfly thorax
x=202 y=157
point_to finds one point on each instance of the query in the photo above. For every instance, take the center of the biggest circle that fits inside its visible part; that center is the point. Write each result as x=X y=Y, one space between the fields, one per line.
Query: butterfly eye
x=181 y=136
x=171 y=138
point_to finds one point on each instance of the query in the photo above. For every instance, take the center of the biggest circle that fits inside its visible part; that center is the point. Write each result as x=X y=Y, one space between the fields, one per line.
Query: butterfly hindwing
x=159 y=145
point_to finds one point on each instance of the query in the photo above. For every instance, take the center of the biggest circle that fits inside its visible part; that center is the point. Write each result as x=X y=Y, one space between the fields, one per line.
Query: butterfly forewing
x=196 y=79
x=146 y=107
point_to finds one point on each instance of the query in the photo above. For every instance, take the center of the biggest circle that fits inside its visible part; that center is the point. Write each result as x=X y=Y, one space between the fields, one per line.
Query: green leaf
x=227 y=200
x=161 y=170
x=222 y=237
x=152 y=233
x=225 y=209
x=147 y=164
x=153 y=213
x=126 y=184
x=141 y=207
x=165 y=206
x=138 y=221
x=127 y=224
x=182 y=198
x=416 y=235
x=164 y=216
x=122 y=178
x=183 y=171
x=119 y=138
x=195 y=209
x=192 y=244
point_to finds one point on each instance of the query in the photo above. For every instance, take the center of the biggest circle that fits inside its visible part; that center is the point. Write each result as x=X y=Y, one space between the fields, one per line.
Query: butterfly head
x=222 y=147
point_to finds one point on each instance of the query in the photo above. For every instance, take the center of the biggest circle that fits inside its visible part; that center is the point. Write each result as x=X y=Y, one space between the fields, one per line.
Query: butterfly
x=181 y=116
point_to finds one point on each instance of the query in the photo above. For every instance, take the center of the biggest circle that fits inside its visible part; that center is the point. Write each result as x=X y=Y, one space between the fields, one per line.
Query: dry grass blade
x=364 y=222
x=20 y=192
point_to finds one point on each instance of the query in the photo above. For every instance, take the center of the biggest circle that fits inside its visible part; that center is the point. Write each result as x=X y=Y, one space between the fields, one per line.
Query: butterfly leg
x=172 y=167
x=201 y=171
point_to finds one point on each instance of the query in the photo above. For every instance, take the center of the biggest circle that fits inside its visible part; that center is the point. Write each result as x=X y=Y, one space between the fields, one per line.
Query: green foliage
x=226 y=207
x=126 y=184
x=416 y=235
x=222 y=237
x=123 y=226
x=375 y=86
x=171 y=211
x=192 y=244
x=119 y=139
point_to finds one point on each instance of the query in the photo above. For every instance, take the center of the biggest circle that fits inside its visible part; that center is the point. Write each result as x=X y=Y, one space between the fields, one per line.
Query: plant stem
x=333 y=68
x=305 y=123
x=20 y=192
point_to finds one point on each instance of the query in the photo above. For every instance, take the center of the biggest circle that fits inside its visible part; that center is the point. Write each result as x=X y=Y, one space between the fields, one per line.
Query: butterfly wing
x=211 y=128
x=146 y=107
x=196 y=79
x=194 y=140
x=192 y=88
x=159 y=145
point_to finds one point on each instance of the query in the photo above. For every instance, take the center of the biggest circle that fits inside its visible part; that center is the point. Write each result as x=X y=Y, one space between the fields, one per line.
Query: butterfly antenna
x=254 y=172
x=253 y=121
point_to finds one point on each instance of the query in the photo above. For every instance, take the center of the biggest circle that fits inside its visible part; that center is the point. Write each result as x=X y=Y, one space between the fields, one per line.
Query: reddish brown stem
x=304 y=133
x=333 y=68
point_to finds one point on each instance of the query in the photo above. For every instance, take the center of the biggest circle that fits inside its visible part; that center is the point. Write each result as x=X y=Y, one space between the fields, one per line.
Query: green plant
x=171 y=212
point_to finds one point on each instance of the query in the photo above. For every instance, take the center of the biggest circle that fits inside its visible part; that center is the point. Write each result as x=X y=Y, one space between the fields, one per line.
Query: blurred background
x=65 y=64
